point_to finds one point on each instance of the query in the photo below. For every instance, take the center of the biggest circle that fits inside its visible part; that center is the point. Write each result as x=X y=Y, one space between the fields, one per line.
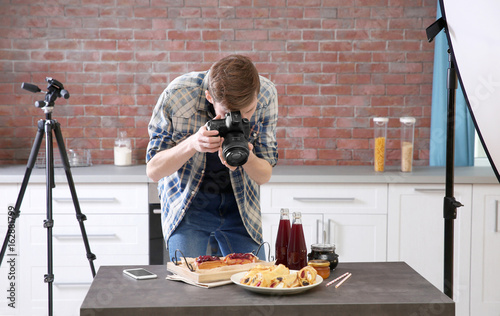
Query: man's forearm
x=166 y=162
x=258 y=169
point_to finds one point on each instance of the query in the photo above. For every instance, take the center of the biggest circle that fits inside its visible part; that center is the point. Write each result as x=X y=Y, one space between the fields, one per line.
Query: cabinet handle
x=331 y=231
x=73 y=236
x=319 y=229
x=424 y=190
x=88 y=200
x=72 y=283
x=324 y=199
x=157 y=211
x=495 y=218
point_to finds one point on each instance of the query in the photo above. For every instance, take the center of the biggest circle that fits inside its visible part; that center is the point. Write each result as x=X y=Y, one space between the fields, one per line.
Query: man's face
x=221 y=110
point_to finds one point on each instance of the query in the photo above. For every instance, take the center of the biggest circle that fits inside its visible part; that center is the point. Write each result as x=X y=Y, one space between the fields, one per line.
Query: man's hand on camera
x=221 y=157
x=206 y=141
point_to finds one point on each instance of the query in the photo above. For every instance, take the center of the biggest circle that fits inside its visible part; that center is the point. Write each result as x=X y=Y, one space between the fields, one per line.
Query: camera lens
x=236 y=158
x=236 y=154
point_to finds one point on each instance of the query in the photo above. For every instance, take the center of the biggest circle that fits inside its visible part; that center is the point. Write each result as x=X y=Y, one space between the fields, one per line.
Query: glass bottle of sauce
x=297 y=249
x=283 y=237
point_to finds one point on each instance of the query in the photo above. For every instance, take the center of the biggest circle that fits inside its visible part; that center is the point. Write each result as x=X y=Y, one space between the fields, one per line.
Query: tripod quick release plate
x=55 y=89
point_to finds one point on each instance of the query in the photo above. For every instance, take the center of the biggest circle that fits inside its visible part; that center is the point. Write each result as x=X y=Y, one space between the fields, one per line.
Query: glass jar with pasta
x=380 y=133
x=407 y=134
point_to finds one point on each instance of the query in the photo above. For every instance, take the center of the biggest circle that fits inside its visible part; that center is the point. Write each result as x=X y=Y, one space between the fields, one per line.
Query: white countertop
x=366 y=174
x=92 y=174
x=281 y=174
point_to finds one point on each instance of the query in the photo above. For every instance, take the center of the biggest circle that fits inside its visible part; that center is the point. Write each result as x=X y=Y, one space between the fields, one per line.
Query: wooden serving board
x=212 y=275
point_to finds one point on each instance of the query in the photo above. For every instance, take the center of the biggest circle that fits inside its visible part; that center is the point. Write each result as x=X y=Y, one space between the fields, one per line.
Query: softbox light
x=473 y=33
x=473 y=38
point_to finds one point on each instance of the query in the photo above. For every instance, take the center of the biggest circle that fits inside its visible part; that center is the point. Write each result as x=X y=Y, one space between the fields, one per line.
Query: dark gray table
x=382 y=288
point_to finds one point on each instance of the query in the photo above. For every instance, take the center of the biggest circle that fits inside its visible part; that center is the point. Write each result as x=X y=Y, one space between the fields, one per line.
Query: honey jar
x=321 y=266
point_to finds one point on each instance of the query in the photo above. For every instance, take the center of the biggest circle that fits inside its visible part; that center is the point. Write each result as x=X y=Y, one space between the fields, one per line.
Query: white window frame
x=480 y=158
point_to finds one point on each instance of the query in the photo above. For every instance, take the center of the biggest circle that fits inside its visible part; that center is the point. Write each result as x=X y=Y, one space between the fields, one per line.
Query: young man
x=208 y=206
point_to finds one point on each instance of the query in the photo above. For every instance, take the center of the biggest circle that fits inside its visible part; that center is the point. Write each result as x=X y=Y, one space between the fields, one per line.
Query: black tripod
x=55 y=89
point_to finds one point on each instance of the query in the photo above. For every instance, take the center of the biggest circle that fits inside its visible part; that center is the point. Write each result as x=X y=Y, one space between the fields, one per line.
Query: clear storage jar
x=407 y=138
x=380 y=134
x=123 y=150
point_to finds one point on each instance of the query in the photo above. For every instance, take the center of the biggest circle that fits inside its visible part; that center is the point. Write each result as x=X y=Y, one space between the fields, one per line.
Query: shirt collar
x=203 y=105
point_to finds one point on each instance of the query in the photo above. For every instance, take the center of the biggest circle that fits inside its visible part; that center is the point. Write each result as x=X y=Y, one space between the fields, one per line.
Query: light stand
x=55 y=89
x=450 y=204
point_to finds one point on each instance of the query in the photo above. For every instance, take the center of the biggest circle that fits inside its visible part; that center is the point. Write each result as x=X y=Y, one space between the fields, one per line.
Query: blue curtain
x=464 y=126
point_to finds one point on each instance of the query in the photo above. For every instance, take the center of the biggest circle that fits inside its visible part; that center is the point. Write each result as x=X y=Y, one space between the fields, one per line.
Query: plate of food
x=277 y=280
x=207 y=269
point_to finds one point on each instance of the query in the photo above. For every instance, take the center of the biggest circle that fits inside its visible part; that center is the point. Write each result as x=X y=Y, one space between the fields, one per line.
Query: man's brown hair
x=234 y=82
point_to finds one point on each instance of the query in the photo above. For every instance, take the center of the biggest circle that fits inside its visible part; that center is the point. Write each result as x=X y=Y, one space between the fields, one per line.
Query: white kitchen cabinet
x=116 y=228
x=358 y=237
x=10 y=263
x=485 y=252
x=370 y=217
x=416 y=234
x=351 y=216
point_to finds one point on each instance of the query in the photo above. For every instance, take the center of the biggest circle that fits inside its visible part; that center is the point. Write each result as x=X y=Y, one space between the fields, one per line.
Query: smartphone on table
x=139 y=274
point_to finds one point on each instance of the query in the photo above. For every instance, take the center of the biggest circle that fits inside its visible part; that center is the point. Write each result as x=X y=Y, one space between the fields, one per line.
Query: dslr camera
x=235 y=131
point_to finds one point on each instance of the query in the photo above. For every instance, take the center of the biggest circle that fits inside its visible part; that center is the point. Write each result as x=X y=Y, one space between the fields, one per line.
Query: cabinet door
x=485 y=253
x=311 y=223
x=117 y=231
x=416 y=234
x=358 y=198
x=10 y=268
x=357 y=238
x=118 y=239
x=93 y=198
x=8 y=197
x=354 y=215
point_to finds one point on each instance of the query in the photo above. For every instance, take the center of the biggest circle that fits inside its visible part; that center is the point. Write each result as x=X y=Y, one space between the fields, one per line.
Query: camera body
x=235 y=131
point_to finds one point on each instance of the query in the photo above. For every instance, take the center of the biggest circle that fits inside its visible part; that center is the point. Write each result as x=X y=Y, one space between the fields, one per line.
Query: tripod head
x=55 y=89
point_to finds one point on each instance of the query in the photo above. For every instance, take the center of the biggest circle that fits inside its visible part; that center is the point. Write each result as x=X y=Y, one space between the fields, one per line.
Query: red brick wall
x=336 y=64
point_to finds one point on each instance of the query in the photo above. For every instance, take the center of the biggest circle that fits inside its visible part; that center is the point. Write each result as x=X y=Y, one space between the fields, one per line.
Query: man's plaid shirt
x=179 y=113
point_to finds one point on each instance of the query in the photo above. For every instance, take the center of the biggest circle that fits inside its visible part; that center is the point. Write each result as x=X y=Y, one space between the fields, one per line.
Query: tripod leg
x=14 y=212
x=49 y=222
x=80 y=217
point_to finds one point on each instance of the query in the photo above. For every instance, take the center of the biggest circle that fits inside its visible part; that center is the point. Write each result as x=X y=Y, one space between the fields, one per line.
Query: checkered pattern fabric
x=179 y=113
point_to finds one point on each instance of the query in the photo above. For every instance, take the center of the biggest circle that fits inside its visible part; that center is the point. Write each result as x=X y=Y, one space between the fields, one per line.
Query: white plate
x=267 y=290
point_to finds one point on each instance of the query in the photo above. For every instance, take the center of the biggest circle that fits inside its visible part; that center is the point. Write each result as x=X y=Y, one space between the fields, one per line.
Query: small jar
x=324 y=252
x=321 y=266
x=123 y=150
